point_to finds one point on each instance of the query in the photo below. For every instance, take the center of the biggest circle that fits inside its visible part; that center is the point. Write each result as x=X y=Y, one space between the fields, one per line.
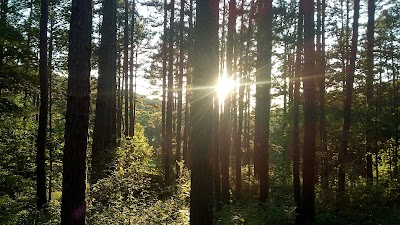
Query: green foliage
x=133 y=193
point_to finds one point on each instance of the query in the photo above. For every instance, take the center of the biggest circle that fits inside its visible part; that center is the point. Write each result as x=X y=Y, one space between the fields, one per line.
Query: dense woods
x=199 y=112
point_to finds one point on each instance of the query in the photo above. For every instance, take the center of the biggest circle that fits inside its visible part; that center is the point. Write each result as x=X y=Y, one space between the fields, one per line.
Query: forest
x=199 y=112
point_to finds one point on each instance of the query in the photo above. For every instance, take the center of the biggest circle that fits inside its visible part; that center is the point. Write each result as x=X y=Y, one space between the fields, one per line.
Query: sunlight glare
x=224 y=87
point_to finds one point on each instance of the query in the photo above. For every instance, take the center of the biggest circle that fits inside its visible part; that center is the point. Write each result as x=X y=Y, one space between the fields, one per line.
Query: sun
x=224 y=87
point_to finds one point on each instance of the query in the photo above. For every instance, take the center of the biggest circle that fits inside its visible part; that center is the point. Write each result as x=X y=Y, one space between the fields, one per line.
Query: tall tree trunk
x=322 y=114
x=216 y=154
x=347 y=109
x=248 y=90
x=50 y=67
x=205 y=71
x=263 y=96
x=102 y=131
x=44 y=95
x=73 y=204
x=223 y=43
x=3 y=24
x=226 y=127
x=170 y=96
x=370 y=89
x=309 y=115
x=180 y=86
x=187 y=126
x=135 y=94
x=119 y=100
x=238 y=147
x=395 y=88
x=131 y=77
x=126 y=59
x=164 y=86
x=296 y=116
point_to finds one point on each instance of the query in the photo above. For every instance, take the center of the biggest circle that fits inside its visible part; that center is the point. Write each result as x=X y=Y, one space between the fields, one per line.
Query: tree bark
x=102 y=131
x=164 y=86
x=309 y=115
x=263 y=96
x=187 y=127
x=50 y=67
x=180 y=87
x=322 y=115
x=347 y=109
x=370 y=89
x=131 y=78
x=296 y=117
x=226 y=127
x=125 y=69
x=205 y=74
x=73 y=205
x=170 y=96
x=44 y=93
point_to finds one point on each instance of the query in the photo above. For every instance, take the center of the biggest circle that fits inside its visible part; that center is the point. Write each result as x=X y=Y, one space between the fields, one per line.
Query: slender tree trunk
x=131 y=78
x=170 y=96
x=322 y=116
x=180 y=86
x=50 y=67
x=347 y=109
x=3 y=23
x=370 y=89
x=135 y=94
x=206 y=51
x=395 y=87
x=119 y=99
x=309 y=115
x=102 y=131
x=223 y=43
x=164 y=86
x=216 y=156
x=238 y=147
x=296 y=116
x=248 y=90
x=44 y=93
x=187 y=127
x=126 y=59
x=73 y=204
x=263 y=96
x=226 y=128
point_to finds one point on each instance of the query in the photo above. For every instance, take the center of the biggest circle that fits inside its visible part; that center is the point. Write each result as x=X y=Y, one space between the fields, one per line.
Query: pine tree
x=73 y=205
x=205 y=74
x=263 y=96
x=44 y=92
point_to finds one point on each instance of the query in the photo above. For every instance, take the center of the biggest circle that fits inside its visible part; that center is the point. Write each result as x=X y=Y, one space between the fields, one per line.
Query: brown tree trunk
x=50 y=67
x=347 y=109
x=102 y=131
x=164 y=86
x=119 y=100
x=180 y=86
x=226 y=126
x=73 y=204
x=187 y=126
x=44 y=93
x=125 y=69
x=206 y=51
x=322 y=115
x=263 y=96
x=3 y=23
x=309 y=115
x=131 y=77
x=370 y=90
x=296 y=117
x=216 y=153
x=170 y=96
